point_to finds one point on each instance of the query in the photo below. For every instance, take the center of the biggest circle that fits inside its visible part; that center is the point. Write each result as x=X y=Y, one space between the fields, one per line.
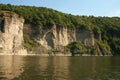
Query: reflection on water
x=46 y=68
x=59 y=68
x=10 y=67
x=95 y=68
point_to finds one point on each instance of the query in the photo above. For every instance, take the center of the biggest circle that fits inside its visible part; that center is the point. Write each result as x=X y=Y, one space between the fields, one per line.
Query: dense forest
x=108 y=27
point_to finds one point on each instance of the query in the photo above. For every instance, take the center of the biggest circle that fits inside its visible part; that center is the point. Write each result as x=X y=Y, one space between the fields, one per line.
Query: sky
x=76 y=7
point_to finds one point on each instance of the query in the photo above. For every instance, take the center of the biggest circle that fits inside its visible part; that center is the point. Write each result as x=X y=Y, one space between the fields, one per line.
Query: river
x=59 y=68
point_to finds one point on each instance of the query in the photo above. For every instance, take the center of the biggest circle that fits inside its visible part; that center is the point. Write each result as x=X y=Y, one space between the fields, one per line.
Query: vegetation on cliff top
x=108 y=27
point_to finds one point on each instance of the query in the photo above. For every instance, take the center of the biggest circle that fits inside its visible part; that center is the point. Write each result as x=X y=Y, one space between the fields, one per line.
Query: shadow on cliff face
x=2 y=30
x=49 y=39
x=2 y=25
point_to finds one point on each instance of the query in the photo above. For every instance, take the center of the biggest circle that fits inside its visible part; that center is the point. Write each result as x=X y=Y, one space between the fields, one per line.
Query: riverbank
x=60 y=54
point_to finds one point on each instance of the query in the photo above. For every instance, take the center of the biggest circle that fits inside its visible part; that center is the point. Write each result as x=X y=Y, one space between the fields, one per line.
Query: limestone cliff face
x=59 y=36
x=11 y=33
x=50 y=37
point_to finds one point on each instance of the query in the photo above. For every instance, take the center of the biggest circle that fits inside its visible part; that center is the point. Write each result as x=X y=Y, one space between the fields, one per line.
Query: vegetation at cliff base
x=29 y=44
x=100 y=48
x=107 y=27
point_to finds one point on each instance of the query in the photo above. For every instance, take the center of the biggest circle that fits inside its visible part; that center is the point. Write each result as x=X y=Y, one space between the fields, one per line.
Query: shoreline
x=13 y=54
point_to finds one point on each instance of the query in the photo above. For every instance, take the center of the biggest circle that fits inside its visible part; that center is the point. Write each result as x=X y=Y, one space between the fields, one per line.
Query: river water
x=59 y=68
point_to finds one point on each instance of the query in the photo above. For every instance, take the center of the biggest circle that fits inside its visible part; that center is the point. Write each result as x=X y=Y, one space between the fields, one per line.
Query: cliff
x=41 y=39
x=47 y=31
x=58 y=36
x=11 y=33
x=62 y=39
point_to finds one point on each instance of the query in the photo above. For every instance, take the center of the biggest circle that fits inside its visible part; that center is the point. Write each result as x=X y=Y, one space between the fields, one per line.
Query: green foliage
x=29 y=44
x=45 y=16
x=76 y=45
x=115 y=45
x=100 y=48
x=76 y=48
x=104 y=47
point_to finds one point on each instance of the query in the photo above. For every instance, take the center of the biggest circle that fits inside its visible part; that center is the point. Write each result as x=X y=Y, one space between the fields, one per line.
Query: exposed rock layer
x=52 y=37
x=11 y=33
x=57 y=36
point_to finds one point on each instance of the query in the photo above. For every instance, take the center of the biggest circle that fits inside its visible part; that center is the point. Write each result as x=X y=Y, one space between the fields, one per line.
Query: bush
x=29 y=44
